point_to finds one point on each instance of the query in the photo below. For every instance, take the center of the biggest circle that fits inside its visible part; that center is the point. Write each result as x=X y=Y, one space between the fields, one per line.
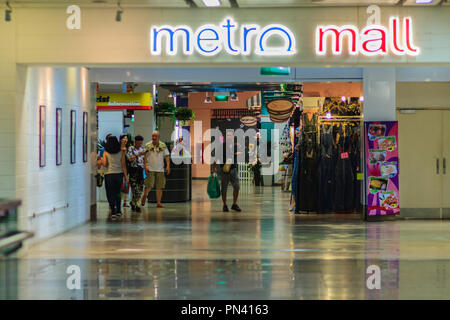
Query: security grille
x=233 y=113
x=245 y=175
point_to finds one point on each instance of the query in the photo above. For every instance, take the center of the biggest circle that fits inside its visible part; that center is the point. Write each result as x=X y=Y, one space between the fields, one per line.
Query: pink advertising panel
x=382 y=168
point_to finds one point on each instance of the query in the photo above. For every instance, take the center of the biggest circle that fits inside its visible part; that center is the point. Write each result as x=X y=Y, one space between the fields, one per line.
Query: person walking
x=228 y=172
x=156 y=152
x=116 y=172
x=135 y=155
x=125 y=189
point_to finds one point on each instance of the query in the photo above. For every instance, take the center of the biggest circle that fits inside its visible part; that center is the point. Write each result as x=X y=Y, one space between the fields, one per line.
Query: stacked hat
x=249 y=121
x=280 y=110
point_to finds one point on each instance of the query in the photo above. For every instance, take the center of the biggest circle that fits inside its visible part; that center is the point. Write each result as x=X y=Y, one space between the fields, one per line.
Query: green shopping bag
x=213 y=188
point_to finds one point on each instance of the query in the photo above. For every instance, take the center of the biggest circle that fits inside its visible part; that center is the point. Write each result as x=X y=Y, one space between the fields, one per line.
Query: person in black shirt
x=228 y=171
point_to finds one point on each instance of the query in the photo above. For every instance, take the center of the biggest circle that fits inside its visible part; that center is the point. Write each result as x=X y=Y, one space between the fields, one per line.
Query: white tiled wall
x=42 y=189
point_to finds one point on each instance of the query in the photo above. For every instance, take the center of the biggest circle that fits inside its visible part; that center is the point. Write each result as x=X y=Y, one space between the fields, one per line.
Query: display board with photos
x=382 y=168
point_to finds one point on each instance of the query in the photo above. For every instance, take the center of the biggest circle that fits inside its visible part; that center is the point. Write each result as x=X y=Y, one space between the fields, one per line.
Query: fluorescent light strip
x=211 y=3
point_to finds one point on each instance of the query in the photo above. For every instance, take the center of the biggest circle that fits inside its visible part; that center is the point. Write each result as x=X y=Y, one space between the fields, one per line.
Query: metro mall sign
x=210 y=39
x=372 y=40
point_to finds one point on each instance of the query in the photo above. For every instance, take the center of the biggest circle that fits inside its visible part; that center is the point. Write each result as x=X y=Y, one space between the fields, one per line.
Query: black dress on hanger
x=325 y=191
x=307 y=186
x=344 y=186
x=356 y=163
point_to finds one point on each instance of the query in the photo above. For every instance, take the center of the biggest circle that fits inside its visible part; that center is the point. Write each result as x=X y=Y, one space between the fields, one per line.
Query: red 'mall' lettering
x=369 y=41
x=337 y=34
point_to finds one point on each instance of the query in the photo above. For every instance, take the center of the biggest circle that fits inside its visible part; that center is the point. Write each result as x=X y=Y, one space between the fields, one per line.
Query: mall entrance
x=304 y=139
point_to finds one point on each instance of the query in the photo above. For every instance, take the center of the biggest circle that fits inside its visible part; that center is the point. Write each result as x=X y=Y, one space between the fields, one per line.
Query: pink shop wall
x=332 y=89
x=203 y=113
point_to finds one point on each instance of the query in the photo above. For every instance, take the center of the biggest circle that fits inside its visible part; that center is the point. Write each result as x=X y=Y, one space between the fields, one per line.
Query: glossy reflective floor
x=195 y=251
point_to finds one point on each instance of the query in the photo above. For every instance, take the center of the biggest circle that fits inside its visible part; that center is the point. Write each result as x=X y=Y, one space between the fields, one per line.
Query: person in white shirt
x=156 y=152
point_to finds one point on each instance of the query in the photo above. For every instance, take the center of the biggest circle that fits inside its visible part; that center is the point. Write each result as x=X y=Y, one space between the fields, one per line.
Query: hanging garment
x=295 y=178
x=356 y=164
x=307 y=186
x=344 y=186
x=325 y=190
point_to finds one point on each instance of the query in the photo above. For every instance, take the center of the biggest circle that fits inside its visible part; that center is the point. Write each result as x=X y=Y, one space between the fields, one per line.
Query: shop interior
x=316 y=156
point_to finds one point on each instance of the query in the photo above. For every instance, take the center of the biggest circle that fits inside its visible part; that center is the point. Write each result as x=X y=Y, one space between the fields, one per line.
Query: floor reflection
x=212 y=279
x=195 y=251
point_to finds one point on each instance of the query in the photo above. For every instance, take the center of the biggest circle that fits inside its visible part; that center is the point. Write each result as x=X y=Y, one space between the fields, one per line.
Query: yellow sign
x=109 y=101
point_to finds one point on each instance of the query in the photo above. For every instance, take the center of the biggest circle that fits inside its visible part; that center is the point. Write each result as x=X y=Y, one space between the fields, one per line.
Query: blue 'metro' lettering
x=171 y=33
x=289 y=48
x=206 y=39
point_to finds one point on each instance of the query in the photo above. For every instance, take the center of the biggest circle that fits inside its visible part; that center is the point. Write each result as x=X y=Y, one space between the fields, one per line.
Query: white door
x=421 y=165
x=445 y=164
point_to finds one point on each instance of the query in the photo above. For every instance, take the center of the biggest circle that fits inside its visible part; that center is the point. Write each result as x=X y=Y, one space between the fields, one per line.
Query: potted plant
x=184 y=115
x=165 y=109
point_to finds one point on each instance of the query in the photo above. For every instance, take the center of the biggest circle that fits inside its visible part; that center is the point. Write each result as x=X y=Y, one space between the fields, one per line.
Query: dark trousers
x=307 y=188
x=344 y=194
x=257 y=175
x=325 y=192
x=113 y=183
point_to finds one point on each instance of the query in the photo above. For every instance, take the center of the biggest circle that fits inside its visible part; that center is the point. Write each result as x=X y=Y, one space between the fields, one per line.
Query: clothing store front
x=54 y=64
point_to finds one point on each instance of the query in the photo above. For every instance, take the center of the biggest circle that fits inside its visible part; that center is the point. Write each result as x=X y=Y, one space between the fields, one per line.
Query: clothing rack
x=339 y=119
x=356 y=120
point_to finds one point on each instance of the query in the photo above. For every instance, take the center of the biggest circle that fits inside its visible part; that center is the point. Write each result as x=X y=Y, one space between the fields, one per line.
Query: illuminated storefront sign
x=210 y=39
x=111 y=101
x=372 y=40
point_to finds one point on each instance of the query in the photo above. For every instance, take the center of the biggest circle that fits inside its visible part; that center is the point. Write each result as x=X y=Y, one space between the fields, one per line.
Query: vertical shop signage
x=382 y=168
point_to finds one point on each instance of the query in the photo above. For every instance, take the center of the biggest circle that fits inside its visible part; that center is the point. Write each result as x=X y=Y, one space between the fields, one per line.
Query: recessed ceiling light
x=211 y=3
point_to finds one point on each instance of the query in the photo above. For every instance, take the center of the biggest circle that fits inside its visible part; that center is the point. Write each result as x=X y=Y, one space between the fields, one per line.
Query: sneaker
x=225 y=208
x=235 y=207
x=137 y=209
x=143 y=201
x=133 y=207
x=125 y=205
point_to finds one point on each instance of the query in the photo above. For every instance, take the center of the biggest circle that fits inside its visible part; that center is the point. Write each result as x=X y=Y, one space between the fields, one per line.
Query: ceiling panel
x=414 y=3
x=300 y=3
x=109 y=3
x=225 y=3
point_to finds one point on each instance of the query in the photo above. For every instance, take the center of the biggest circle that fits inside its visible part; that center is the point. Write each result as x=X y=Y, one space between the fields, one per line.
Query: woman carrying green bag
x=213 y=188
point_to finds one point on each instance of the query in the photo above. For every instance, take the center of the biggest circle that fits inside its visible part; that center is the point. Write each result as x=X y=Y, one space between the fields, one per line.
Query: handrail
x=35 y=215
x=14 y=239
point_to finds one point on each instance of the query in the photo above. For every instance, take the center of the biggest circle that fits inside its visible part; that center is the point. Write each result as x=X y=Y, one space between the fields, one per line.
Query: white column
x=379 y=94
